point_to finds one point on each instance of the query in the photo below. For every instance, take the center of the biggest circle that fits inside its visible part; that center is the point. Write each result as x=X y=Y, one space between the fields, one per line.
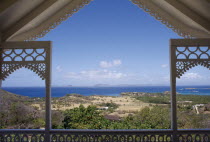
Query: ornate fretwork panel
x=22 y=137
x=31 y=55
x=183 y=66
x=110 y=138
x=24 y=55
x=189 y=53
x=114 y=137
x=104 y=136
x=193 y=137
x=38 y=68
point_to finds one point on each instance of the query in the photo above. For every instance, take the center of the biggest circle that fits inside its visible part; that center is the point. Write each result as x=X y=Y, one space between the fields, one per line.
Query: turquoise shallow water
x=107 y=91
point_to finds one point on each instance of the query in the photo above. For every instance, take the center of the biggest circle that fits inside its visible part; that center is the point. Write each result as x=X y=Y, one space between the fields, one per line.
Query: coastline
x=105 y=91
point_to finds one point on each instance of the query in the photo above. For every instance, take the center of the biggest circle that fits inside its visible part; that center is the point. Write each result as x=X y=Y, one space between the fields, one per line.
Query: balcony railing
x=105 y=135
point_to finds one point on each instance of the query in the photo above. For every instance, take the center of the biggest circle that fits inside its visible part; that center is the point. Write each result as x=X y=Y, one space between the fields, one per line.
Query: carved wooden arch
x=15 y=55
x=31 y=55
x=182 y=66
x=38 y=68
x=185 y=54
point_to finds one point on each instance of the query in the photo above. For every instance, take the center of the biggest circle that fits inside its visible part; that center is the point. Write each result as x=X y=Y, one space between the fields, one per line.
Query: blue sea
x=106 y=91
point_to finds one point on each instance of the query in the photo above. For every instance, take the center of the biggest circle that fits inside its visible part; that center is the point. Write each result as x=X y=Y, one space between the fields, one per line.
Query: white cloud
x=117 y=62
x=164 y=65
x=96 y=74
x=114 y=63
x=105 y=64
x=191 y=75
x=59 y=69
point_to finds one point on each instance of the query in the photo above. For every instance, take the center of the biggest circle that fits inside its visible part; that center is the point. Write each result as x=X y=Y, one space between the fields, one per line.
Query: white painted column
x=173 y=91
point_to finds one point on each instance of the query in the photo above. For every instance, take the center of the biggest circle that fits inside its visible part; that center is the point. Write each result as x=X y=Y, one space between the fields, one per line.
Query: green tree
x=84 y=118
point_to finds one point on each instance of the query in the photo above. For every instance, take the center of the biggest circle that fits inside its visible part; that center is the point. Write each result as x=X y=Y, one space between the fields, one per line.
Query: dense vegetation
x=91 y=118
x=148 y=118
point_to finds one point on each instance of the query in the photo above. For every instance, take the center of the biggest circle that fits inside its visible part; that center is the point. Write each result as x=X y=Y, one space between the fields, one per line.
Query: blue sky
x=110 y=42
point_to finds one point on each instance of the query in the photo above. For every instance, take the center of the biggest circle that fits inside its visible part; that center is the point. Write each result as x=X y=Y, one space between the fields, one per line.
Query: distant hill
x=6 y=98
x=101 y=85
x=17 y=113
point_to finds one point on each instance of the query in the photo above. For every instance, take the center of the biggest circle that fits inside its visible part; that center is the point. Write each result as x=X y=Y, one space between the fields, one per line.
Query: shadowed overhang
x=31 y=19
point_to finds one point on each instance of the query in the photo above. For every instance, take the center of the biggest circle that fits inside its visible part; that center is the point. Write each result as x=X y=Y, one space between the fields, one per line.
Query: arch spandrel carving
x=184 y=66
x=30 y=55
x=38 y=68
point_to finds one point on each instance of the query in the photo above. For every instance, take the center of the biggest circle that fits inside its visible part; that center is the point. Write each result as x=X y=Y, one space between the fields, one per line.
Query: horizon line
x=106 y=86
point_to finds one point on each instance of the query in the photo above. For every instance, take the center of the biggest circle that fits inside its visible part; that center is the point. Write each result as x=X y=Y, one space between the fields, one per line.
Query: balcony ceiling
x=32 y=19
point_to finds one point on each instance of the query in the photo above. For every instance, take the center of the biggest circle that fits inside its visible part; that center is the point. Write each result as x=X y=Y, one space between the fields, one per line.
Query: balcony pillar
x=1 y=61
x=173 y=92
x=48 y=95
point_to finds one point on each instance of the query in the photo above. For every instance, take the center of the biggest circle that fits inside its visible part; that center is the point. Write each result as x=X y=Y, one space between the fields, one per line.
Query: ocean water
x=106 y=91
